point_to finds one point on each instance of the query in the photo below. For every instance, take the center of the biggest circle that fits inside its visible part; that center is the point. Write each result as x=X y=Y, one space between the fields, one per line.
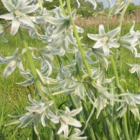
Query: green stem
x=78 y=39
x=109 y=125
x=31 y=63
x=34 y=134
x=62 y=7
x=125 y=127
x=75 y=106
x=107 y=22
x=116 y=74
x=88 y=122
x=40 y=4
x=122 y=16
x=10 y=1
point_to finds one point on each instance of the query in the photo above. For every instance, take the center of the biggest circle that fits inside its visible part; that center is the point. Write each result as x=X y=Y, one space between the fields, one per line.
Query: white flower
x=13 y=62
x=18 y=14
x=62 y=23
x=135 y=68
x=37 y=112
x=65 y=118
x=130 y=100
x=117 y=6
x=76 y=135
x=129 y=41
x=2 y=32
x=105 y=40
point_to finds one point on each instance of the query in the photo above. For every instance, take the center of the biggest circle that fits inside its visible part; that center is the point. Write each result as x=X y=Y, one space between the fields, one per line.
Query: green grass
x=13 y=98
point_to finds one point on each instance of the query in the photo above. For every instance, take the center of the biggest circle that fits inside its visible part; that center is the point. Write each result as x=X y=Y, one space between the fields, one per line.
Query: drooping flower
x=105 y=40
x=2 y=32
x=77 y=135
x=62 y=23
x=13 y=62
x=37 y=113
x=135 y=68
x=18 y=14
x=130 y=100
x=117 y=6
x=65 y=118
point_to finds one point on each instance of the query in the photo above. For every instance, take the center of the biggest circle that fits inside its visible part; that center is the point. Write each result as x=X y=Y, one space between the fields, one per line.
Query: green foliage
x=132 y=8
x=50 y=5
x=84 y=12
x=87 y=9
x=3 y=10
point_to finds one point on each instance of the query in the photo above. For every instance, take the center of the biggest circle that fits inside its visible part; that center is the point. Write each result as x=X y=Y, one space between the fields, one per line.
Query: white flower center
x=104 y=39
x=18 y=14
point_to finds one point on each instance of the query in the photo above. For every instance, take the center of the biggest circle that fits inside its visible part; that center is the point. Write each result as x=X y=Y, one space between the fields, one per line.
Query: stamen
x=104 y=39
x=18 y=14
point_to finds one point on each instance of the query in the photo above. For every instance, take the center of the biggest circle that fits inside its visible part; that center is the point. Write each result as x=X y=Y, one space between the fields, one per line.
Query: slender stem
x=116 y=74
x=34 y=134
x=10 y=1
x=62 y=7
x=125 y=127
x=122 y=16
x=75 y=106
x=107 y=22
x=40 y=4
x=78 y=39
x=109 y=125
x=88 y=125
x=31 y=62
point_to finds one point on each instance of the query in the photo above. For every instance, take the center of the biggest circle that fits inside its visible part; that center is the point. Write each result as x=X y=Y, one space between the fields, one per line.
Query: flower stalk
x=62 y=7
x=122 y=16
x=40 y=4
x=78 y=39
x=31 y=62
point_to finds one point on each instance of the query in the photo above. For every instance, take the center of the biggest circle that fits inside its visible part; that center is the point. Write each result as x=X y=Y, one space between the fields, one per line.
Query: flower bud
x=117 y=7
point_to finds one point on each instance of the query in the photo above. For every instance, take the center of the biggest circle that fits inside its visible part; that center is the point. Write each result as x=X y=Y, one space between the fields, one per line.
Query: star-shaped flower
x=18 y=14
x=105 y=40
x=65 y=118
x=37 y=113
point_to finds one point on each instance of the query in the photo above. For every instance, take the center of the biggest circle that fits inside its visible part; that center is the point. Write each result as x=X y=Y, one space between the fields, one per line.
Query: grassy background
x=13 y=98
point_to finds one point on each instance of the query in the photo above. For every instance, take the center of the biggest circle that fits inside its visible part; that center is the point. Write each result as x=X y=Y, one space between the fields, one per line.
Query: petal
x=56 y=21
x=114 y=32
x=10 y=7
x=30 y=9
x=78 y=3
x=10 y=68
x=93 y=2
x=9 y=16
x=15 y=26
x=74 y=122
x=64 y=128
x=55 y=119
x=75 y=112
x=98 y=44
x=106 y=50
x=133 y=70
x=24 y=19
x=94 y=37
x=67 y=111
x=20 y=4
x=101 y=30
x=113 y=44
